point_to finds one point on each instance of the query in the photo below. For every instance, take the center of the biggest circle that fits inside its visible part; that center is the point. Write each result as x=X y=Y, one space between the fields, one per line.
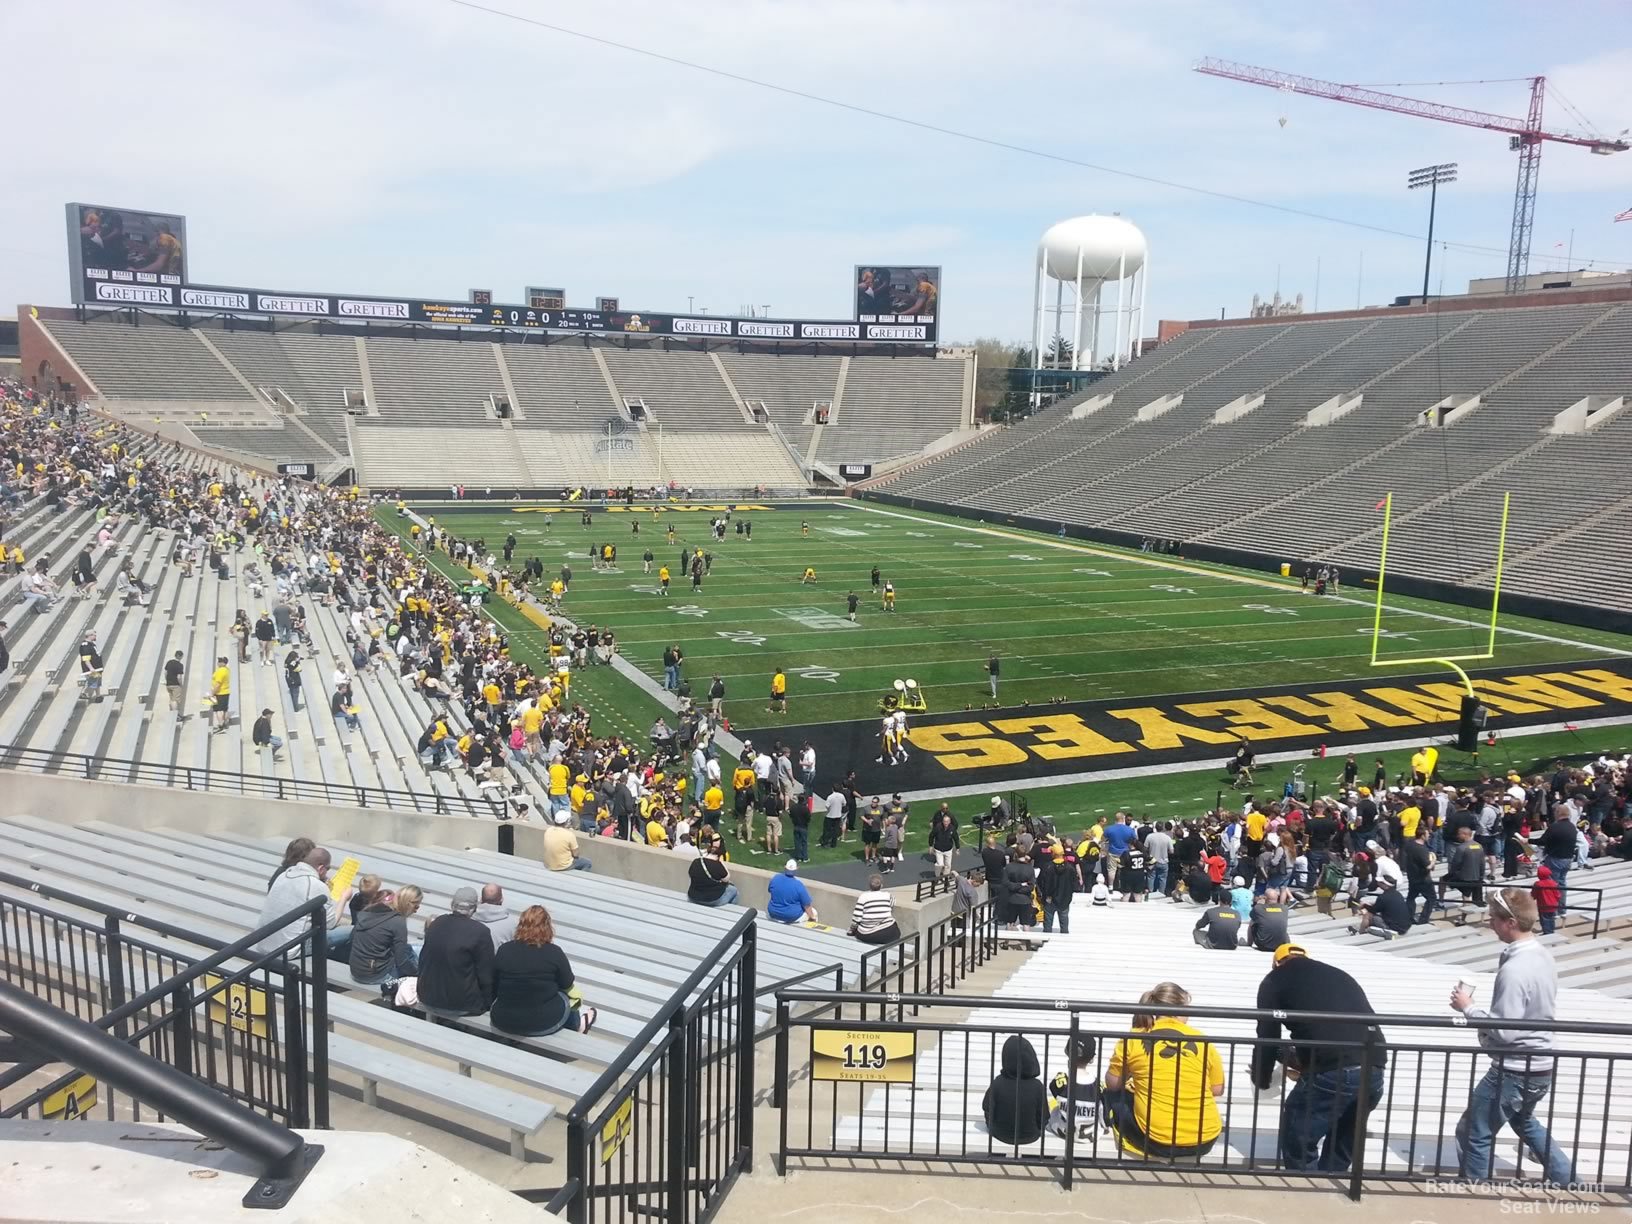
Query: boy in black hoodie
x=1016 y=1105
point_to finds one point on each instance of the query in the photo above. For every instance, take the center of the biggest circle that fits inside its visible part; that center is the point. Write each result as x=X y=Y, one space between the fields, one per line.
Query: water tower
x=1088 y=254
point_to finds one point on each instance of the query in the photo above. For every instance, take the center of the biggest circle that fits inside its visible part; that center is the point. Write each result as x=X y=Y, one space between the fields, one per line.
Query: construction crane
x=1525 y=136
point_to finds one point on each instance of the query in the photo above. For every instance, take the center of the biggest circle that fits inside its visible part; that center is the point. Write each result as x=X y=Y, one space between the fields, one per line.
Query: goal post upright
x=1451 y=661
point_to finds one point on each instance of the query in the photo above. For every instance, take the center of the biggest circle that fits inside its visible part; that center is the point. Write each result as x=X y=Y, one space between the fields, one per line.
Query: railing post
x=779 y=1081
x=115 y=976
x=181 y=1028
x=319 y=1011
x=748 y=978
x=578 y=1169
x=295 y=1080
x=675 y=1136
x=1357 y=1165
x=1069 y=1106
x=188 y=771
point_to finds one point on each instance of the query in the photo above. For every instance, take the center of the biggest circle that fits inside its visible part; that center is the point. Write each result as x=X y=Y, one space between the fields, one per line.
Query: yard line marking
x=1238 y=578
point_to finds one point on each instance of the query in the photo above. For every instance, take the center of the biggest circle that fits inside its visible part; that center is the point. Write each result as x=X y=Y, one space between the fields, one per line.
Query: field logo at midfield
x=815 y=618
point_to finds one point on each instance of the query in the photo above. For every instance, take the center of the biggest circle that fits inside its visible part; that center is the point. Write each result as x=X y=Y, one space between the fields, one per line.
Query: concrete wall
x=72 y=801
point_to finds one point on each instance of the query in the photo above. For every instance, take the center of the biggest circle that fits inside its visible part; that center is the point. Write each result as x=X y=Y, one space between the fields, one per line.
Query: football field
x=1068 y=621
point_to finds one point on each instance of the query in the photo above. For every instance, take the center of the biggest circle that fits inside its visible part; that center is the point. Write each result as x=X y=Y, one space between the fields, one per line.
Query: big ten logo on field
x=849 y=532
x=1197 y=728
x=815 y=618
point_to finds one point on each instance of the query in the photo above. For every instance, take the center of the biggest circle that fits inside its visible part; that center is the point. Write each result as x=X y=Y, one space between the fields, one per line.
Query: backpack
x=1331 y=878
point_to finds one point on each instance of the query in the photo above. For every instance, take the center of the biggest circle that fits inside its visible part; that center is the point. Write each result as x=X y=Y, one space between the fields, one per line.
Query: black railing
x=280 y=1156
x=934 y=887
x=253 y=1025
x=232 y=1043
x=227 y=781
x=668 y=1126
x=1380 y=1108
x=932 y=960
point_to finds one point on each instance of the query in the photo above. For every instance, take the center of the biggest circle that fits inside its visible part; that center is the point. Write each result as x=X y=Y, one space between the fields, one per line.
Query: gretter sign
x=1007 y=745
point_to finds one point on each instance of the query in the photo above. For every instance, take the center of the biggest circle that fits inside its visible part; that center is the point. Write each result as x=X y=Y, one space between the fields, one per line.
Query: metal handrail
x=1193 y=1012
x=224 y=951
x=281 y=1156
x=51 y=761
x=636 y=1046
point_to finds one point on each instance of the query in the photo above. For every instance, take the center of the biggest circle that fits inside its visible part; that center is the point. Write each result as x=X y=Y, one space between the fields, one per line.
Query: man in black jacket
x=1558 y=848
x=456 y=963
x=1319 y=1115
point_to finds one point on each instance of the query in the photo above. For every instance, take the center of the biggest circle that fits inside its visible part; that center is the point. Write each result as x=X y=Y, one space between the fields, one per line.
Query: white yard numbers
x=742 y=637
x=815 y=618
x=1270 y=609
x=919 y=535
x=847 y=532
x=1023 y=557
x=1390 y=633
x=645 y=590
x=966 y=544
x=1092 y=573
x=1171 y=589
x=691 y=610
x=825 y=674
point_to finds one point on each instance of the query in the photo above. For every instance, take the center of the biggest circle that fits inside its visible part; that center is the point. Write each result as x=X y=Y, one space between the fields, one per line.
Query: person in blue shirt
x=790 y=899
x=1241 y=896
x=1118 y=836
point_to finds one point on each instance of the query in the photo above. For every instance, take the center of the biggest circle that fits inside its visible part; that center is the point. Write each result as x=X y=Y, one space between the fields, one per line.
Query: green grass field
x=1080 y=621
x=1085 y=622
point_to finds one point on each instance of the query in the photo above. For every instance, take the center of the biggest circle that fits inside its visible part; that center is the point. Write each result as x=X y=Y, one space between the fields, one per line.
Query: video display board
x=123 y=246
x=899 y=294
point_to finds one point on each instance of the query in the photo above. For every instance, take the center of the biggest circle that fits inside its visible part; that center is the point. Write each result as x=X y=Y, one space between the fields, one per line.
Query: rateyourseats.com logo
x=1526 y=1197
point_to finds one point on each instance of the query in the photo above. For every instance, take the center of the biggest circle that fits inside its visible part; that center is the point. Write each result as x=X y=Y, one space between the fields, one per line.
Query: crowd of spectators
x=1397 y=853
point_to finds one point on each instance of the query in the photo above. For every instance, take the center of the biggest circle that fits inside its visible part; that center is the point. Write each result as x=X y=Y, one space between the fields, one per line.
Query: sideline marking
x=1090 y=550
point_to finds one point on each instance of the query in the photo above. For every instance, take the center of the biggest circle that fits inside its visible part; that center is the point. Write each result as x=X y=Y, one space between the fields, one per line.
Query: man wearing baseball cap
x=1318 y=1116
x=789 y=898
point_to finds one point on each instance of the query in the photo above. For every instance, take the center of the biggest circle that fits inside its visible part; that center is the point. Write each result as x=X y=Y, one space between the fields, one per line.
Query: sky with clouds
x=427 y=146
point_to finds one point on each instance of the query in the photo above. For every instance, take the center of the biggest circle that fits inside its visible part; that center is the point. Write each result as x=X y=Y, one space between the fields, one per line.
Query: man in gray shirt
x=1521 y=1064
x=1158 y=848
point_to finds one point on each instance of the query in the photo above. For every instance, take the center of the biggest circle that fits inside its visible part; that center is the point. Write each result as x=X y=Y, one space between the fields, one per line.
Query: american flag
x=1625 y=216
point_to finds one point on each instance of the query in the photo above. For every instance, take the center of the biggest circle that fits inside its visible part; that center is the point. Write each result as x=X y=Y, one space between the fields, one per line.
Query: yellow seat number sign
x=242 y=1006
x=74 y=1101
x=863 y=1056
x=617 y=1129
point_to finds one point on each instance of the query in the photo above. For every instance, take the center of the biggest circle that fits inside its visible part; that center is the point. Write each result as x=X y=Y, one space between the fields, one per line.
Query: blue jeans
x=1051 y=910
x=1509 y=1097
x=1318 y=1118
x=671 y=677
x=801 y=842
x=581 y=864
x=1158 y=880
x=728 y=897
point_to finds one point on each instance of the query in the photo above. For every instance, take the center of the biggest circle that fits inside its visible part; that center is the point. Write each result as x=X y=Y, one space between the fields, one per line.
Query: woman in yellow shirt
x=1163 y=1088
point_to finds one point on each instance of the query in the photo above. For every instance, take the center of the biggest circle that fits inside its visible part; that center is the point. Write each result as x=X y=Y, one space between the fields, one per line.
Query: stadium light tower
x=1430 y=177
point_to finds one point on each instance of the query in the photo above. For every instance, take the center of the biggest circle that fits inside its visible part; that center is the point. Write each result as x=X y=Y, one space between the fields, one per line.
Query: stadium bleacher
x=283 y=395
x=1161 y=459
